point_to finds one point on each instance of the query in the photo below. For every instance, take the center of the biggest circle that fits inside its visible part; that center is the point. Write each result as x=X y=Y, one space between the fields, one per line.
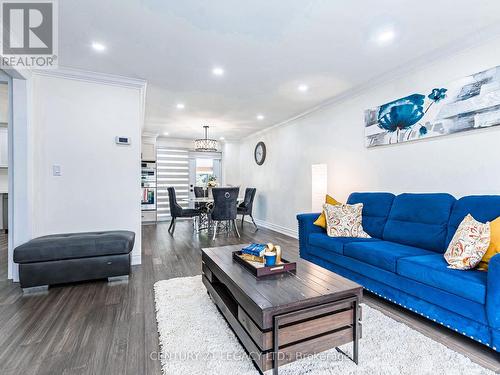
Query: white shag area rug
x=195 y=339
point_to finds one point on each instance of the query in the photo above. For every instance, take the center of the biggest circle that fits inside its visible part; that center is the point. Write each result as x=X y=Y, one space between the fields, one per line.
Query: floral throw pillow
x=344 y=220
x=468 y=245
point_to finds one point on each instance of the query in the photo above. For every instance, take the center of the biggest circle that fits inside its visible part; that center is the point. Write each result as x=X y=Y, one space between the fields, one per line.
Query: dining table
x=206 y=200
x=205 y=222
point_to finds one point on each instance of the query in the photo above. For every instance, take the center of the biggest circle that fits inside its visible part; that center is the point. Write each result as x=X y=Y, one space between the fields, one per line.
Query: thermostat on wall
x=122 y=140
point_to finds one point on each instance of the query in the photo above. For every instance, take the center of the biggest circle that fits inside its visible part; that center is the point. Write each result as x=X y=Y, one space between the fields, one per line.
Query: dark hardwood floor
x=110 y=328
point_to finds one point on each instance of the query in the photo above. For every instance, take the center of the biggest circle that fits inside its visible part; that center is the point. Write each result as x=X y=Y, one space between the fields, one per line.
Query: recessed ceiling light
x=165 y=133
x=385 y=36
x=221 y=138
x=180 y=106
x=302 y=87
x=260 y=117
x=218 y=71
x=98 y=46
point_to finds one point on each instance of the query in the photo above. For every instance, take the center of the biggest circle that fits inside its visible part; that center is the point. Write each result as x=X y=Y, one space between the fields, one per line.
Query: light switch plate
x=56 y=170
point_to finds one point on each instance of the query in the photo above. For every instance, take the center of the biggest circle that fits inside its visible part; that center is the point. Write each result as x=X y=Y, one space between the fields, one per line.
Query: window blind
x=172 y=169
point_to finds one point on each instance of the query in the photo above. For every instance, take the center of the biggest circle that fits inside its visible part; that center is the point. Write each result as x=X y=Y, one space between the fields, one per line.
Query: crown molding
x=94 y=77
x=473 y=40
x=16 y=73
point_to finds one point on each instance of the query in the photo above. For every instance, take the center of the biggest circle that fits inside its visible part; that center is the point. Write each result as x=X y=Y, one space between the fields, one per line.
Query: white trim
x=275 y=227
x=142 y=90
x=89 y=76
x=20 y=171
x=12 y=271
x=472 y=40
x=18 y=73
x=136 y=259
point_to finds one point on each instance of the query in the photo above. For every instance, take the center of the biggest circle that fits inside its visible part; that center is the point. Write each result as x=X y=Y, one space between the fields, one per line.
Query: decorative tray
x=259 y=269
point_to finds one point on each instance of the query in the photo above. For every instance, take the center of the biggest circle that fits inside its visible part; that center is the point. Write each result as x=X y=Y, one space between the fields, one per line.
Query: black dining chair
x=199 y=192
x=177 y=211
x=225 y=208
x=246 y=207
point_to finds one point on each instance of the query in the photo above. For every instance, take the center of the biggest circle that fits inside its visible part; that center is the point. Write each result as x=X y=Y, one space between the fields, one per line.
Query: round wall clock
x=260 y=153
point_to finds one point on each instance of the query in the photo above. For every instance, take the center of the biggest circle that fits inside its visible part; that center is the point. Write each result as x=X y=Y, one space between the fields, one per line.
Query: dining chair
x=177 y=211
x=199 y=192
x=246 y=207
x=225 y=208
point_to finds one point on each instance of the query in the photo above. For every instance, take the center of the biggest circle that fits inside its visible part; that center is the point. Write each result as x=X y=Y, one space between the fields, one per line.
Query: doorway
x=204 y=168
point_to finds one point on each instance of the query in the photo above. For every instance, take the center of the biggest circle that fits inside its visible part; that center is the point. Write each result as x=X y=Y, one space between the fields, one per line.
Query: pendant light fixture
x=205 y=144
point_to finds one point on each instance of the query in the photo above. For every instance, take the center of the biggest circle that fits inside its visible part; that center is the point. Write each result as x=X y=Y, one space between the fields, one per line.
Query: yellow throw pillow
x=321 y=220
x=494 y=247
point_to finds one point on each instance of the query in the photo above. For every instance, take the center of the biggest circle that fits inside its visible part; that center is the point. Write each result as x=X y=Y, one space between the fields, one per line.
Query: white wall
x=75 y=122
x=230 y=163
x=175 y=142
x=461 y=164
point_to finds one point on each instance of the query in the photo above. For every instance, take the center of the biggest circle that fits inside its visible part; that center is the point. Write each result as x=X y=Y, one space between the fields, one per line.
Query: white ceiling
x=267 y=48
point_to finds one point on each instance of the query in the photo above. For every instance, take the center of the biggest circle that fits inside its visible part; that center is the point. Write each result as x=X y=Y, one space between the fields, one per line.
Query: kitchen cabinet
x=148 y=152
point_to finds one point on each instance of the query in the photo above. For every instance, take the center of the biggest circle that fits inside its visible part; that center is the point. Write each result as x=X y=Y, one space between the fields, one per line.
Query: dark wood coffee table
x=282 y=318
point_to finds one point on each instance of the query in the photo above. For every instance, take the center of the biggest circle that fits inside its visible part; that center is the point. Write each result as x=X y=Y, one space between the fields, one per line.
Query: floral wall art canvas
x=470 y=103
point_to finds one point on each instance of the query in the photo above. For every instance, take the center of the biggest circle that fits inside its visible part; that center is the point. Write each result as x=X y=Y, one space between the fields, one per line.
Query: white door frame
x=5 y=78
x=20 y=164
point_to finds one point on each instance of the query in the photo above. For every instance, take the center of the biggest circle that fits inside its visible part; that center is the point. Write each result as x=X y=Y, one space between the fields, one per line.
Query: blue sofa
x=403 y=261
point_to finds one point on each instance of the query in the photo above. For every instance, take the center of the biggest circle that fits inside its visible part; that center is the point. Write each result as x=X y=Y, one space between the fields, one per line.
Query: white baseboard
x=136 y=259
x=277 y=228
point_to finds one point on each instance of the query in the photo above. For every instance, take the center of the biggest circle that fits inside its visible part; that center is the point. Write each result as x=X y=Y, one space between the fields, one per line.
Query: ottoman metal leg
x=36 y=289
x=118 y=278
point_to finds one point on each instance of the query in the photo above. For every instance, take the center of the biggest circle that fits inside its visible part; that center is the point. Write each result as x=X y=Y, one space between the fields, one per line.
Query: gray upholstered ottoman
x=65 y=258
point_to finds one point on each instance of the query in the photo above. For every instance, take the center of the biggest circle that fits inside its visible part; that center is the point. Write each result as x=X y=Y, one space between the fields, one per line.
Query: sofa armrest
x=493 y=292
x=306 y=227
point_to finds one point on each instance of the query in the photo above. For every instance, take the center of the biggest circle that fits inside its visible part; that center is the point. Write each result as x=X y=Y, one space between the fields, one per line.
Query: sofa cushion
x=420 y=220
x=335 y=244
x=383 y=254
x=376 y=278
x=482 y=207
x=376 y=208
x=432 y=270
x=74 y=245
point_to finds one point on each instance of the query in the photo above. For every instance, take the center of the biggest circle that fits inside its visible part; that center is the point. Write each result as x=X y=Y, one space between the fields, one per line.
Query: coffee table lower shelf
x=293 y=335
